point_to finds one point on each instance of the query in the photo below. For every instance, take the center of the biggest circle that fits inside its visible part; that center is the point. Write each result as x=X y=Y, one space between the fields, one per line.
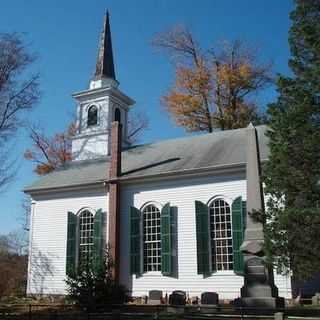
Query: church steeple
x=105 y=66
x=99 y=106
x=104 y=74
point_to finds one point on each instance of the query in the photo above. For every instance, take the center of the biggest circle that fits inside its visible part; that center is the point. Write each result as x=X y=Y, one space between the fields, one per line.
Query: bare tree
x=26 y=213
x=13 y=264
x=19 y=92
x=137 y=124
x=214 y=89
x=16 y=242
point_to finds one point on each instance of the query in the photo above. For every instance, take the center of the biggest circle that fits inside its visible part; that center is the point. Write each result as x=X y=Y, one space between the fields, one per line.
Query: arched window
x=85 y=235
x=221 y=235
x=117 y=115
x=92 y=116
x=82 y=228
x=151 y=238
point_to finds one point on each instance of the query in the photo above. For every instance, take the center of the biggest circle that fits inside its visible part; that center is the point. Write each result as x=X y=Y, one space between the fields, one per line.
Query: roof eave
x=113 y=92
x=74 y=187
x=233 y=167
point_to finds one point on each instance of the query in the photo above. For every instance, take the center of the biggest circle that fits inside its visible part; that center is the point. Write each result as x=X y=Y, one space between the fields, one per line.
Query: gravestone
x=155 y=297
x=279 y=316
x=177 y=298
x=316 y=299
x=209 y=298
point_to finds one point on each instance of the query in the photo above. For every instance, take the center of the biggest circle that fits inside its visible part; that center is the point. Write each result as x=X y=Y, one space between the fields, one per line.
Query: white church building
x=173 y=212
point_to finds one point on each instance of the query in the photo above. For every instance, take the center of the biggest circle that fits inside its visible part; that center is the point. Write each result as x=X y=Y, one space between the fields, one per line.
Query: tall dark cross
x=105 y=66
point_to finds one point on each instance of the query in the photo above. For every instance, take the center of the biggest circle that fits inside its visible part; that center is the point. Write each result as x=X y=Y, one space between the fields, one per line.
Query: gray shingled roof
x=204 y=151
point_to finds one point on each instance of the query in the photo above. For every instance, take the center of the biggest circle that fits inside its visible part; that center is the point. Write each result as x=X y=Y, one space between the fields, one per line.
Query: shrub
x=93 y=287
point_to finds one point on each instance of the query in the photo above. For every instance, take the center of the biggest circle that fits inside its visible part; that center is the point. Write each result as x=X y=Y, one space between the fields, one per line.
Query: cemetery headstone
x=209 y=298
x=316 y=299
x=177 y=298
x=155 y=297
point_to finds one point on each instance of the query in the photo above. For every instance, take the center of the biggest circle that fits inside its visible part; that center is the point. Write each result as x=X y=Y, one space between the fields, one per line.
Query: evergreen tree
x=292 y=175
x=93 y=287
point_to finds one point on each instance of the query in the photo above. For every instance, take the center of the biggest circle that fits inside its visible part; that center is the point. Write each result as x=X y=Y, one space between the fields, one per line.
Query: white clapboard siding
x=183 y=194
x=49 y=234
x=48 y=238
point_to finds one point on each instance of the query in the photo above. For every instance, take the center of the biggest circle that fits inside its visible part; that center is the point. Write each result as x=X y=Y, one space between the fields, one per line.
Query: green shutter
x=135 y=241
x=237 y=234
x=203 y=239
x=166 y=240
x=71 y=244
x=244 y=215
x=98 y=257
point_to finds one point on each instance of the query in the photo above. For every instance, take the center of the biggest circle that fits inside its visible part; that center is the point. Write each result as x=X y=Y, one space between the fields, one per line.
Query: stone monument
x=259 y=289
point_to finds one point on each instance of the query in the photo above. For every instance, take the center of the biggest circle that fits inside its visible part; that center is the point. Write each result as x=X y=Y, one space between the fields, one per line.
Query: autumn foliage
x=52 y=152
x=212 y=90
x=49 y=153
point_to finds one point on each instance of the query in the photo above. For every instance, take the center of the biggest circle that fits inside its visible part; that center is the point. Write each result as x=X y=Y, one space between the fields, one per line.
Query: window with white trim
x=92 y=116
x=221 y=234
x=151 y=238
x=85 y=235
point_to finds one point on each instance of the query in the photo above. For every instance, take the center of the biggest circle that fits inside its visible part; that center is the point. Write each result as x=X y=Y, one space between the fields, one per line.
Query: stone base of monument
x=259 y=290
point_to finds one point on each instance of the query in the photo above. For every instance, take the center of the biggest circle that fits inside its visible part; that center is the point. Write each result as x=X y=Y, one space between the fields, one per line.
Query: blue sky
x=65 y=35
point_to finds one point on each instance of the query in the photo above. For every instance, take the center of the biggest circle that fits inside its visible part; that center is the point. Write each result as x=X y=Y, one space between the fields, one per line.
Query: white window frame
x=229 y=203
x=78 y=236
x=159 y=208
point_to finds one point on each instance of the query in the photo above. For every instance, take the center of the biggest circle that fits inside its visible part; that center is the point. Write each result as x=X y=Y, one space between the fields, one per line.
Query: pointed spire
x=105 y=66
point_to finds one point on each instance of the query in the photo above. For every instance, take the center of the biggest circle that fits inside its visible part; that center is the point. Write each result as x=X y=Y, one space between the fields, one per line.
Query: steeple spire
x=105 y=66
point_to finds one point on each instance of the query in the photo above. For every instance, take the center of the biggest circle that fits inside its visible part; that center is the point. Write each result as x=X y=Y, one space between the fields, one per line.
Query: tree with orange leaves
x=212 y=90
x=50 y=153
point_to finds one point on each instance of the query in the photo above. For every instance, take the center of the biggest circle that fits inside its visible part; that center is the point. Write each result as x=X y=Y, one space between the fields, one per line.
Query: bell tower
x=100 y=105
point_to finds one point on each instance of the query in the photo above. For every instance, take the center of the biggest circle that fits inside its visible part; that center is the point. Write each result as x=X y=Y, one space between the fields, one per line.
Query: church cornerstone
x=114 y=197
x=259 y=289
